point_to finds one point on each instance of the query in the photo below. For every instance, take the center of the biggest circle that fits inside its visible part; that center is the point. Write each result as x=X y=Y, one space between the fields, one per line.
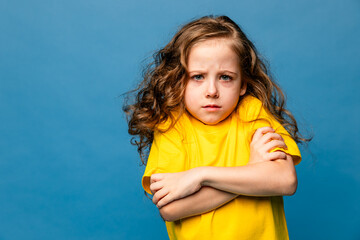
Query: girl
x=223 y=147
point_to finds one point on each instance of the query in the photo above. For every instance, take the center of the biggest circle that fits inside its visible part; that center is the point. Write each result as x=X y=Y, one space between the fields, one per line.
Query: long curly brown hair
x=162 y=90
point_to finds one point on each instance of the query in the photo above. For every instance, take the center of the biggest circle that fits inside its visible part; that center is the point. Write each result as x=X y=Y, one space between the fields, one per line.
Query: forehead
x=213 y=53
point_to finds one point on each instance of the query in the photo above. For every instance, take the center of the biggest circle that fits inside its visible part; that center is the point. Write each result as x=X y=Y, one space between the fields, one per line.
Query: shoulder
x=173 y=117
x=250 y=108
x=174 y=126
x=254 y=116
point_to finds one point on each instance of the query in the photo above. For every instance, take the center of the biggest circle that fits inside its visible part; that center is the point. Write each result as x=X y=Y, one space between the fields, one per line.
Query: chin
x=208 y=120
x=211 y=122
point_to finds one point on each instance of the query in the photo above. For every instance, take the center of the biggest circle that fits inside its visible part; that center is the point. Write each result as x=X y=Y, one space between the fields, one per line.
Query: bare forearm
x=206 y=199
x=260 y=179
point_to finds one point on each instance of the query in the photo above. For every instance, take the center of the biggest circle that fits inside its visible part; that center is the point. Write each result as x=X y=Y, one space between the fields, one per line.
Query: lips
x=211 y=106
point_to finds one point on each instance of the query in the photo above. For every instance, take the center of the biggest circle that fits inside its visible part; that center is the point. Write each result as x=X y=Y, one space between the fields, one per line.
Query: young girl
x=223 y=147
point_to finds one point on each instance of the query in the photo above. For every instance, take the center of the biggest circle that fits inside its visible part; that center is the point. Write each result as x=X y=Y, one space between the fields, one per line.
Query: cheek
x=189 y=95
x=232 y=98
x=187 y=98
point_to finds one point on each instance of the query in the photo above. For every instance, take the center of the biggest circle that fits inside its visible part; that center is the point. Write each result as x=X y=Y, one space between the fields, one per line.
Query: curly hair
x=164 y=80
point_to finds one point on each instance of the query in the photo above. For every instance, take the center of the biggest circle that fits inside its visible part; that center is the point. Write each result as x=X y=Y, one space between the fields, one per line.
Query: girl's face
x=214 y=85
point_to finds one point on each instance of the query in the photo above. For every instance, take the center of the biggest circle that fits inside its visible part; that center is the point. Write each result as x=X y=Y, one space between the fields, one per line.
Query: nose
x=212 y=89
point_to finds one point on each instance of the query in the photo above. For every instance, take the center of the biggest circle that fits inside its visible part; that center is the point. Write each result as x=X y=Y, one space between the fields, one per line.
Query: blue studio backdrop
x=67 y=169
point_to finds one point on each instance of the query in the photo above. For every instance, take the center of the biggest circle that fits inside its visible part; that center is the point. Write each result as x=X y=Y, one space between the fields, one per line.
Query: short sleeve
x=166 y=155
x=253 y=112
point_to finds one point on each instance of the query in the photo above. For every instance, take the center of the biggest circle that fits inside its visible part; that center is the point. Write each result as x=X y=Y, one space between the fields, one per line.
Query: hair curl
x=164 y=81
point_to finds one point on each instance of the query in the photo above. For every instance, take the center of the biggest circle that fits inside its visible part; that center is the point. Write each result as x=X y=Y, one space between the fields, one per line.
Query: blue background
x=67 y=170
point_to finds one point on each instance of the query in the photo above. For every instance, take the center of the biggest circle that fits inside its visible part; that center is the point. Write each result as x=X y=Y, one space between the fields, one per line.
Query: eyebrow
x=225 y=71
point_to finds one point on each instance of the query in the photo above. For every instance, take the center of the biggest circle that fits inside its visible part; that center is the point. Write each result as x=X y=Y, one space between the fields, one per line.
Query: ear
x=243 y=88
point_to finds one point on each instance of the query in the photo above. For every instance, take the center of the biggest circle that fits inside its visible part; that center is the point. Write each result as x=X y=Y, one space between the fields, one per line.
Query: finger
x=277 y=155
x=156 y=186
x=267 y=137
x=260 y=132
x=155 y=177
x=159 y=195
x=274 y=144
x=165 y=200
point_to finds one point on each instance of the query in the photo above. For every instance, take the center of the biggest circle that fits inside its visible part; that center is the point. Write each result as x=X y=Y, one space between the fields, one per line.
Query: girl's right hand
x=264 y=140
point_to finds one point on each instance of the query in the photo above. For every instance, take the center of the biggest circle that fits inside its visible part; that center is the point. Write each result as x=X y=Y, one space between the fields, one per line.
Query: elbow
x=168 y=214
x=289 y=180
x=291 y=185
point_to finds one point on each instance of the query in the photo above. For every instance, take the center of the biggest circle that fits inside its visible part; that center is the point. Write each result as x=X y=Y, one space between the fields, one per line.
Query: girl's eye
x=197 y=77
x=225 y=77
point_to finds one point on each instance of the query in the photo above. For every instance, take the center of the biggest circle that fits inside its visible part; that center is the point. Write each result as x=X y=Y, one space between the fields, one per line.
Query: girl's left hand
x=168 y=187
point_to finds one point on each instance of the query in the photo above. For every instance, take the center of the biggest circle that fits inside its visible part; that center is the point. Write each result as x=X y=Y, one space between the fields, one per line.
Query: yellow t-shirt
x=191 y=144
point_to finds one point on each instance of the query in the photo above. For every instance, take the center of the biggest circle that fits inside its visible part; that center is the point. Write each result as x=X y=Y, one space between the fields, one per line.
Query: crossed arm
x=206 y=199
x=202 y=189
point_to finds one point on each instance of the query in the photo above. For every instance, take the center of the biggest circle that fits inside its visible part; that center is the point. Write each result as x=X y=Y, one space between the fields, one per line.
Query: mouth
x=211 y=106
